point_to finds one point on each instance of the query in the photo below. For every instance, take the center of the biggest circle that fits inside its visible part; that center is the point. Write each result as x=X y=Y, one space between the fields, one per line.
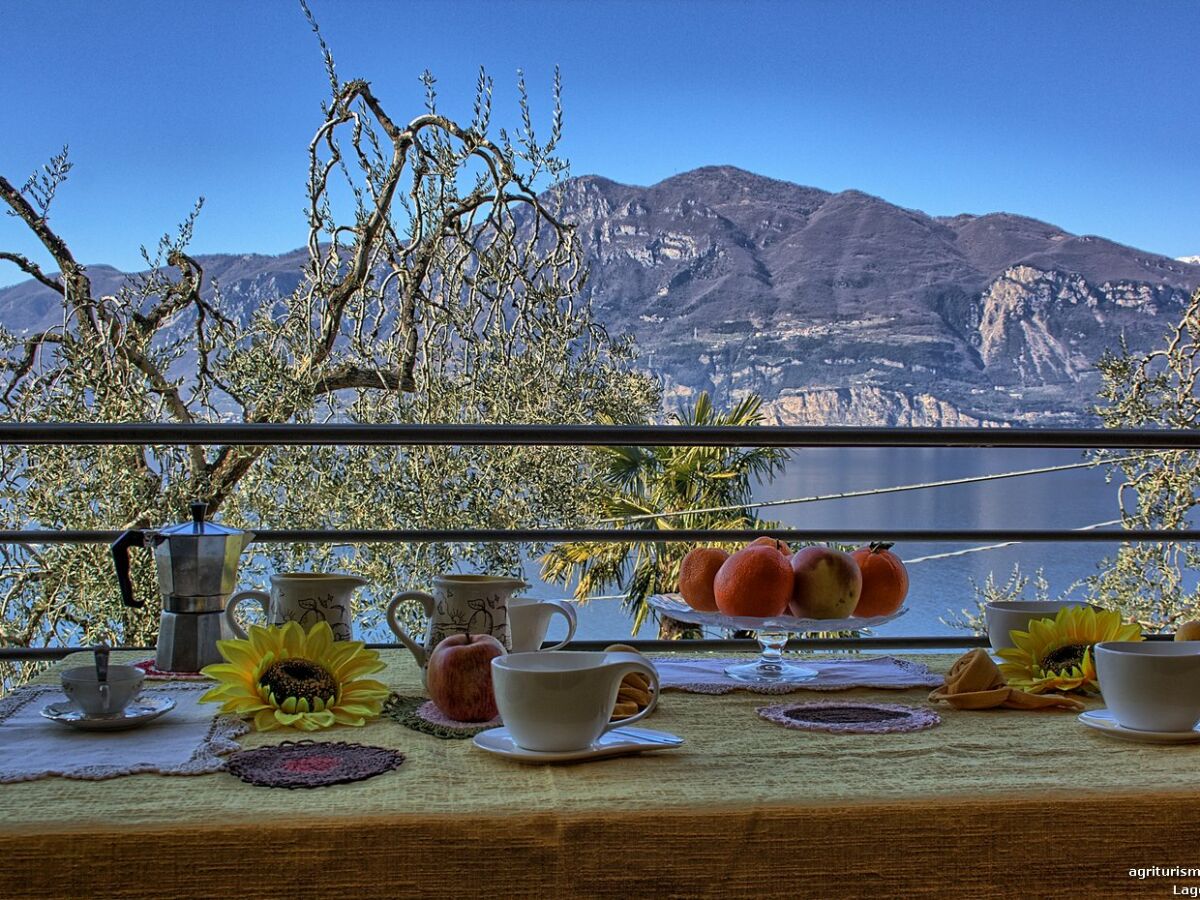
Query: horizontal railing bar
x=592 y=435
x=642 y=535
x=814 y=645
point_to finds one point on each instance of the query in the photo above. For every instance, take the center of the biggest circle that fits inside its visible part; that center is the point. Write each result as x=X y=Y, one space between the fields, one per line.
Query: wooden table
x=997 y=803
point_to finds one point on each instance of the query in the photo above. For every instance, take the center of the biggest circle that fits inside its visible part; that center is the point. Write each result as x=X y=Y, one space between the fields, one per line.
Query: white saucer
x=140 y=711
x=1103 y=720
x=612 y=743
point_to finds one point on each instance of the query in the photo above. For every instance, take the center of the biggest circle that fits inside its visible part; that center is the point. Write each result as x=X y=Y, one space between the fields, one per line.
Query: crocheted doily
x=309 y=764
x=420 y=714
x=850 y=717
x=154 y=673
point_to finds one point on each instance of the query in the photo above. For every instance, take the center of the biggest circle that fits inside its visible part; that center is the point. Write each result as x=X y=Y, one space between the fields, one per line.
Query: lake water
x=942 y=587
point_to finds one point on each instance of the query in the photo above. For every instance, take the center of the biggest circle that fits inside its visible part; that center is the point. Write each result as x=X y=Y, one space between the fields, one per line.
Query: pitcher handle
x=621 y=665
x=262 y=597
x=428 y=603
x=567 y=610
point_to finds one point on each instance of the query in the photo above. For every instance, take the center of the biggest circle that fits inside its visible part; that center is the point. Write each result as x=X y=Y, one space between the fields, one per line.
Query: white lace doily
x=189 y=740
x=707 y=676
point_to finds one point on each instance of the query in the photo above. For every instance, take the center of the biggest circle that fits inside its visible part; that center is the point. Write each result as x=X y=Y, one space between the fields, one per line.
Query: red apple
x=458 y=676
x=826 y=583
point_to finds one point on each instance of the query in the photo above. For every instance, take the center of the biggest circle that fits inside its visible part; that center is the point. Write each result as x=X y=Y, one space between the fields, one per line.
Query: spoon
x=101 y=651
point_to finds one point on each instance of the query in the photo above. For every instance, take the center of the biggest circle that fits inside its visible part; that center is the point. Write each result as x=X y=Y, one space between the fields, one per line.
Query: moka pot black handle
x=120 y=555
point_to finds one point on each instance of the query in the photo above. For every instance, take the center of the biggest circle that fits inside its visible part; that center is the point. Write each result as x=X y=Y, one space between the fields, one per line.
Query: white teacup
x=107 y=698
x=1003 y=617
x=1151 y=685
x=528 y=620
x=563 y=701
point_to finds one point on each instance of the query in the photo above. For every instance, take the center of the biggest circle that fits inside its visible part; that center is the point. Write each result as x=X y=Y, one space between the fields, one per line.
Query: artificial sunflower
x=1056 y=654
x=287 y=678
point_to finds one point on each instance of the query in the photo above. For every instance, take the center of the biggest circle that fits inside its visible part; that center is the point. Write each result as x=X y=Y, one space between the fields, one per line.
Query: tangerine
x=755 y=581
x=884 y=580
x=768 y=541
x=696 y=575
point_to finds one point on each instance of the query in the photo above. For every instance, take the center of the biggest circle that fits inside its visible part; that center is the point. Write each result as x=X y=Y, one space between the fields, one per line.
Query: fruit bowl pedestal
x=772 y=635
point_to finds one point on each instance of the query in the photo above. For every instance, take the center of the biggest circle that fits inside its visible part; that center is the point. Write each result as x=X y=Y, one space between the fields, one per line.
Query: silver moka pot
x=197 y=571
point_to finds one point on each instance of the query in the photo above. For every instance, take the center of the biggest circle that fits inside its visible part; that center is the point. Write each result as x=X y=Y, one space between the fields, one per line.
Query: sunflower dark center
x=1066 y=657
x=299 y=678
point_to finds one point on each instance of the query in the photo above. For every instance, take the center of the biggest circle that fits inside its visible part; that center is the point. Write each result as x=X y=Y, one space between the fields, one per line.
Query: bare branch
x=77 y=288
x=351 y=376
x=32 y=269
x=25 y=365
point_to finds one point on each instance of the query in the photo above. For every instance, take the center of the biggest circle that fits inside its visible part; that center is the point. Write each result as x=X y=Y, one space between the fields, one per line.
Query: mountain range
x=837 y=308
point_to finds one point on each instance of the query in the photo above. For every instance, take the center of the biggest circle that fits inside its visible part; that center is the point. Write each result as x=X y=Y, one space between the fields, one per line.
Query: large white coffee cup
x=102 y=698
x=1151 y=685
x=528 y=620
x=562 y=701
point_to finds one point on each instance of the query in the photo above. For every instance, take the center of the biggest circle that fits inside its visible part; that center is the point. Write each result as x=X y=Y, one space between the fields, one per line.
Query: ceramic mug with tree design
x=303 y=597
x=459 y=604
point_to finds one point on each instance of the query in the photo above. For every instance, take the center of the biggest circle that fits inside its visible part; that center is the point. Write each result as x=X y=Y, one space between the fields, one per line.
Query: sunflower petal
x=264 y=720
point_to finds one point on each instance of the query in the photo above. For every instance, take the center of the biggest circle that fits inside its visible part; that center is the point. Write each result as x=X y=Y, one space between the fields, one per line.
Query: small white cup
x=102 y=699
x=1151 y=685
x=562 y=701
x=1003 y=617
x=528 y=620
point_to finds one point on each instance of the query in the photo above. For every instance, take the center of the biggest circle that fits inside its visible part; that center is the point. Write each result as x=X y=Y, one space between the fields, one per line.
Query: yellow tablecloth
x=995 y=803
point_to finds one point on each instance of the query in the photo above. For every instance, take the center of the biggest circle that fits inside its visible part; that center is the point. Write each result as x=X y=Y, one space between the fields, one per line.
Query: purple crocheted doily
x=154 y=673
x=434 y=716
x=849 y=717
x=308 y=764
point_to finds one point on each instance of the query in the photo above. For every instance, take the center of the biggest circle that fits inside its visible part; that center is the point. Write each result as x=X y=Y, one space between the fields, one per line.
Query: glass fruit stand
x=772 y=634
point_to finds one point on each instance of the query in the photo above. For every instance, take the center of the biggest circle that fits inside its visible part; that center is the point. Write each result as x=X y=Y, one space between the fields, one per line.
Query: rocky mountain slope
x=845 y=308
x=837 y=308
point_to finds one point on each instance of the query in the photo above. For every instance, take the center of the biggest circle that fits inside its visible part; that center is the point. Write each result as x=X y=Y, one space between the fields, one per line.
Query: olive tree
x=1154 y=583
x=440 y=285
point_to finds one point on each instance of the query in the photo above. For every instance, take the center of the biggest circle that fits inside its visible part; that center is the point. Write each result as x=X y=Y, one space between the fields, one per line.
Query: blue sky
x=1082 y=113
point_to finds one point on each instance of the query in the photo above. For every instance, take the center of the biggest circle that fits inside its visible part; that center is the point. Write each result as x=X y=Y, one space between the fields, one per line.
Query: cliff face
x=827 y=303
x=866 y=406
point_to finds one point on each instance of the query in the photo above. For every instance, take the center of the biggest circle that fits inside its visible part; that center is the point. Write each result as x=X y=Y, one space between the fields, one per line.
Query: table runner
x=707 y=675
x=985 y=801
x=188 y=740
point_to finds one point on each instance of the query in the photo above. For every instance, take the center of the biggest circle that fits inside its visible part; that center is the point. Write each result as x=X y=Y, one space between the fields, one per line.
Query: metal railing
x=612 y=435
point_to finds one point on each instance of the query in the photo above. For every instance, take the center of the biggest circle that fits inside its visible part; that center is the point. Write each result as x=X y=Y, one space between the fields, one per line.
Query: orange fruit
x=755 y=581
x=768 y=541
x=884 y=581
x=696 y=575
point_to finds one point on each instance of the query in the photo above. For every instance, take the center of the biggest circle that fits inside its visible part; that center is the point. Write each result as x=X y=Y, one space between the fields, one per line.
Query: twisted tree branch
x=33 y=270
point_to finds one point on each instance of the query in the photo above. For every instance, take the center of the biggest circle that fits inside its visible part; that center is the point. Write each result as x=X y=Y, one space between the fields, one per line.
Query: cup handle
x=428 y=603
x=622 y=665
x=567 y=611
x=261 y=596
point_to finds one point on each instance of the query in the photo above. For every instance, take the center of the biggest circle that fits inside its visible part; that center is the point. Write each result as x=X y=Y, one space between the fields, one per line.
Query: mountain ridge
x=753 y=284
x=835 y=304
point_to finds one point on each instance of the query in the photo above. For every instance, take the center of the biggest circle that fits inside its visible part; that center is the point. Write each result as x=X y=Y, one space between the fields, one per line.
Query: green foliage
x=645 y=487
x=1154 y=583
x=1017 y=586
